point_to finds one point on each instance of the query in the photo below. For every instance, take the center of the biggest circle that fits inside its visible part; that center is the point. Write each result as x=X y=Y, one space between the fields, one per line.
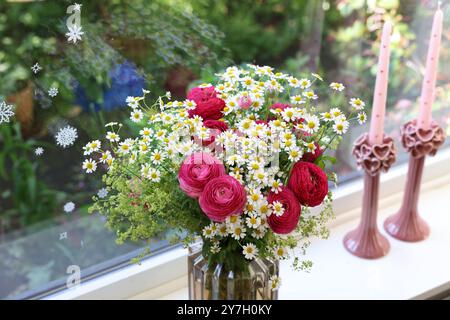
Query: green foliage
x=23 y=196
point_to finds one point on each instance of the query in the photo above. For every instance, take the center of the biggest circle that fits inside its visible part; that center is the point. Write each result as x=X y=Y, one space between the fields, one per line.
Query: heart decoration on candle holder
x=366 y=241
x=406 y=224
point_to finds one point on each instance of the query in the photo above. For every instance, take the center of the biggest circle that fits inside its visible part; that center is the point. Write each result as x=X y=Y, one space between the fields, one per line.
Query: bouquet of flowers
x=238 y=163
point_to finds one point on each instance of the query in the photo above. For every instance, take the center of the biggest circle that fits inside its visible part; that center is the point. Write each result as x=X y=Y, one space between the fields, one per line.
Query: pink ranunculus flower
x=196 y=171
x=222 y=197
x=245 y=102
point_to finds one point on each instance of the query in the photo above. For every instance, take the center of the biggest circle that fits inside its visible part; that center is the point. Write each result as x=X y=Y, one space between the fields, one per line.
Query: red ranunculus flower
x=209 y=106
x=216 y=127
x=196 y=171
x=287 y=222
x=222 y=197
x=312 y=156
x=309 y=183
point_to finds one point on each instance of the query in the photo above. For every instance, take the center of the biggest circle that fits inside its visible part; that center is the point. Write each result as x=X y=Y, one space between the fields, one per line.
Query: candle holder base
x=367 y=244
x=407 y=226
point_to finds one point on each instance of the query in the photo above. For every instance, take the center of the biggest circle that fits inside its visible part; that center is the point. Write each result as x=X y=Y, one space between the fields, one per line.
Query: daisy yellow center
x=253 y=220
x=340 y=127
x=157 y=156
x=90 y=165
x=264 y=209
x=311 y=125
x=249 y=250
x=280 y=252
x=237 y=231
x=233 y=219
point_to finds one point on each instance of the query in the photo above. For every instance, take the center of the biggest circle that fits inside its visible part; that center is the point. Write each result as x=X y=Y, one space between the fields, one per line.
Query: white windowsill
x=408 y=271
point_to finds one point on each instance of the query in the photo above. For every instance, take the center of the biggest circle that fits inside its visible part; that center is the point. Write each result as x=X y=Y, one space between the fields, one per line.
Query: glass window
x=65 y=83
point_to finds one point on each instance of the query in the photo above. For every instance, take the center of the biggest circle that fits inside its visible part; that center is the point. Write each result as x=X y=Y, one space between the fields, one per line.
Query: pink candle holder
x=366 y=241
x=406 y=224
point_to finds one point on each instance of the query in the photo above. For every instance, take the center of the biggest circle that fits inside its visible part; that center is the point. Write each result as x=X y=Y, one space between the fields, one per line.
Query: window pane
x=65 y=84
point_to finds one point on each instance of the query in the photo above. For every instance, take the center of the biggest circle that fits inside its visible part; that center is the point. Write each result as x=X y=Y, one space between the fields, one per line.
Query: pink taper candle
x=381 y=85
x=429 y=81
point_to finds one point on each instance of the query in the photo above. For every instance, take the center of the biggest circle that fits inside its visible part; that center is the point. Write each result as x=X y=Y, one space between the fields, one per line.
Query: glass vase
x=216 y=282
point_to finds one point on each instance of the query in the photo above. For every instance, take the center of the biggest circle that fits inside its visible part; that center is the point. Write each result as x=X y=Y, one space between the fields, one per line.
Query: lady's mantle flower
x=69 y=207
x=66 y=136
x=250 y=251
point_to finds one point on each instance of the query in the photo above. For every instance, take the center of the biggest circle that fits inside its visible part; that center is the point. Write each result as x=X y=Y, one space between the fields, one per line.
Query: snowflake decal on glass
x=39 y=151
x=53 y=92
x=69 y=207
x=74 y=34
x=66 y=136
x=6 y=112
x=102 y=193
x=36 y=68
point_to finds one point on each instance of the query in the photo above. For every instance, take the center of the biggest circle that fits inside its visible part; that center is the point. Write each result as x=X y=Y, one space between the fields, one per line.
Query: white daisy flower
x=277 y=208
x=357 y=103
x=124 y=147
x=154 y=175
x=89 y=165
x=280 y=253
x=238 y=232
x=295 y=154
x=105 y=156
x=39 y=151
x=310 y=95
x=310 y=146
x=102 y=193
x=336 y=113
x=337 y=86
x=259 y=232
x=136 y=115
x=340 y=126
x=222 y=230
x=305 y=84
x=311 y=124
x=362 y=117
x=294 y=82
x=250 y=251
x=233 y=220
x=297 y=99
x=157 y=157
x=208 y=232
x=69 y=207
x=66 y=136
x=274 y=282
x=112 y=136
x=326 y=116
x=253 y=221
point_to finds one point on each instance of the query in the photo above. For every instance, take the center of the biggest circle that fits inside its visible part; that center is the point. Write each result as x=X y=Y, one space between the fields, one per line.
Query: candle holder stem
x=406 y=224
x=366 y=241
